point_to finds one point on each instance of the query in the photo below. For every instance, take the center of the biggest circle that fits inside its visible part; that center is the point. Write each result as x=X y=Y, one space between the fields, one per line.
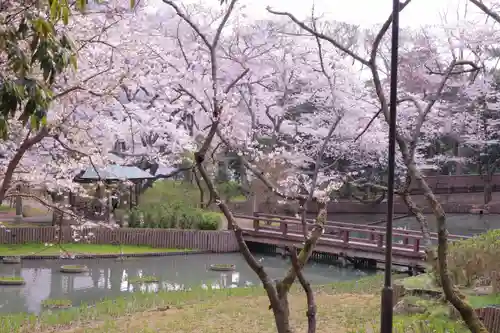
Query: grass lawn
x=238 y=198
x=342 y=307
x=25 y=225
x=78 y=248
x=6 y=209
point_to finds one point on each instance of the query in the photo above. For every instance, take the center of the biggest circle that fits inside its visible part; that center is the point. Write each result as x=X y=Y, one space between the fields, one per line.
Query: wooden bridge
x=357 y=243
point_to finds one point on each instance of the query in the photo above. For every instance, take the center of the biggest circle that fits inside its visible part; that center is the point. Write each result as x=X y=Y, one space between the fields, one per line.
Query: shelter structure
x=111 y=181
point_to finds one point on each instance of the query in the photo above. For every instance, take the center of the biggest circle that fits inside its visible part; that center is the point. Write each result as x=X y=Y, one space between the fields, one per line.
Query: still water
x=107 y=278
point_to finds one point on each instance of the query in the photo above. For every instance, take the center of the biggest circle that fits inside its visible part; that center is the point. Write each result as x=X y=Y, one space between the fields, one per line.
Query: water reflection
x=108 y=278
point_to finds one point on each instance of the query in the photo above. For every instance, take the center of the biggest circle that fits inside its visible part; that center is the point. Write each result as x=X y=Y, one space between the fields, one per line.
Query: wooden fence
x=214 y=241
x=490 y=316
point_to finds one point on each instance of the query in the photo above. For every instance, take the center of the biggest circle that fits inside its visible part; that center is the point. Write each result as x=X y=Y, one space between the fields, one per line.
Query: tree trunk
x=14 y=162
x=452 y=294
x=282 y=314
x=243 y=176
x=200 y=188
x=430 y=253
x=488 y=188
x=487 y=193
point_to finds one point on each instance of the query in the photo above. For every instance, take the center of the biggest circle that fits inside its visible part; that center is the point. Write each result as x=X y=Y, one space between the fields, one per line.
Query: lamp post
x=387 y=292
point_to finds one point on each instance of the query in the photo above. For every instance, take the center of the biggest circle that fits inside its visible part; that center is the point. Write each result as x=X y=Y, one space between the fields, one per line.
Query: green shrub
x=230 y=190
x=173 y=216
x=175 y=204
x=476 y=259
x=209 y=221
x=170 y=191
x=134 y=218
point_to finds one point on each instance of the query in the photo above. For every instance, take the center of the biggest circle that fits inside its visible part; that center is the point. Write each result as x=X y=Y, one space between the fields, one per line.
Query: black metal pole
x=387 y=292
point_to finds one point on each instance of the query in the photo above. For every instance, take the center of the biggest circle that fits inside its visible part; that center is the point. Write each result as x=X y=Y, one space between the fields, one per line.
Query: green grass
x=73 y=266
x=4 y=208
x=108 y=310
x=436 y=317
x=422 y=281
x=222 y=265
x=428 y=323
x=425 y=281
x=144 y=279
x=484 y=300
x=25 y=224
x=56 y=303
x=238 y=198
x=343 y=307
x=78 y=248
x=11 y=278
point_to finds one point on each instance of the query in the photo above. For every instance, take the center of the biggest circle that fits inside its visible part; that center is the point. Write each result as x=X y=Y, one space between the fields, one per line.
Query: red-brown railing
x=339 y=232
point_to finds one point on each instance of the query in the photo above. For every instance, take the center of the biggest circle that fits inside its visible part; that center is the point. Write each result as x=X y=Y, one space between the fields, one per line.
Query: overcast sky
x=362 y=12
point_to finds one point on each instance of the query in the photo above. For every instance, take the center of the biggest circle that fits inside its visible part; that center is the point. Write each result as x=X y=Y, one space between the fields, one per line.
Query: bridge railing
x=275 y=218
x=347 y=233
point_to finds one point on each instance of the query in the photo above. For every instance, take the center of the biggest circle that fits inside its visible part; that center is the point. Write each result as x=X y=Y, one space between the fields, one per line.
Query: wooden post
x=256 y=221
x=372 y=236
x=136 y=190
x=284 y=227
x=131 y=197
x=109 y=206
x=345 y=236
x=406 y=240
x=230 y=225
x=416 y=245
x=380 y=240
x=19 y=207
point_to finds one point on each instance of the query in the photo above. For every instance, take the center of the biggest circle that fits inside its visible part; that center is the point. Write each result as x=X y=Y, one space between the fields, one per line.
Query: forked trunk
x=422 y=220
x=452 y=294
x=200 y=188
x=282 y=313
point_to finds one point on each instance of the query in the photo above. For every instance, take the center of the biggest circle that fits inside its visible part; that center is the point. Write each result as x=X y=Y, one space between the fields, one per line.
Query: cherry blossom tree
x=420 y=109
x=239 y=91
x=483 y=97
x=293 y=99
x=103 y=100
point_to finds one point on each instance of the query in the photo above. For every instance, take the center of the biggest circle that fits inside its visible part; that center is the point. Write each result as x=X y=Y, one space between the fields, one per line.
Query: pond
x=108 y=278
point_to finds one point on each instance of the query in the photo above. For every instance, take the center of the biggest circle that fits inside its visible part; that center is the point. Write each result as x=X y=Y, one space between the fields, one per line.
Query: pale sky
x=362 y=12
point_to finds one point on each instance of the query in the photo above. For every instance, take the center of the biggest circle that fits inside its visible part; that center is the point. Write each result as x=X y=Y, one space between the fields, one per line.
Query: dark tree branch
x=319 y=35
x=260 y=174
x=26 y=145
x=479 y=4
x=235 y=81
x=375 y=116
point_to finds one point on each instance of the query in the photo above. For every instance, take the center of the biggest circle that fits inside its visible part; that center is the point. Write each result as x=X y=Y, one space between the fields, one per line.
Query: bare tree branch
x=236 y=80
x=479 y=4
x=319 y=35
